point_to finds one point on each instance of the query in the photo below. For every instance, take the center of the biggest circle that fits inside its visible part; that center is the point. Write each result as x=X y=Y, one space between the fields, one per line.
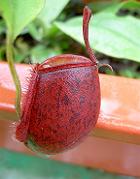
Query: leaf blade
x=51 y=10
x=109 y=34
x=18 y=14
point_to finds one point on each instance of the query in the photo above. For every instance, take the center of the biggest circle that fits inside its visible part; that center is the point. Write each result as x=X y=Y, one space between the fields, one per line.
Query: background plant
x=15 y=22
x=114 y=34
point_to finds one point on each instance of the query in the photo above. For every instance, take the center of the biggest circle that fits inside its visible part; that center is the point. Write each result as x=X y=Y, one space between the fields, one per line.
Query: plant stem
x=9 y=56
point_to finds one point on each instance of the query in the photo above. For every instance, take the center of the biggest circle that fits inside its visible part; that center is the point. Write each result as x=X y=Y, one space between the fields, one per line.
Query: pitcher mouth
x=66 y=59
x=61 y=62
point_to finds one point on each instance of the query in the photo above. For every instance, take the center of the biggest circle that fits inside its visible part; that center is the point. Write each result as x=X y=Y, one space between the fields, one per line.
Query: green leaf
x=18 y=13
x=35 y=30
x=2 y=53
x=130 y=73
x=100 y=5
x=2 y=27
x=39 y=53
x=51 y=10
x=21 y=50
x=131 y=4
x=109 y=34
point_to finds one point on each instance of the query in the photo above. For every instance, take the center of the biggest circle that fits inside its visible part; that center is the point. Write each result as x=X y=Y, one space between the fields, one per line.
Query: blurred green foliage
x=20 y=166
x=114 y=33
x=110 y=34
x=18 y=14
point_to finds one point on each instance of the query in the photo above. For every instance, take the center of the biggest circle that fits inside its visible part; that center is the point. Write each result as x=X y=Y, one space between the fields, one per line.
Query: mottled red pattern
x=62 y=103
x=64 y=107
